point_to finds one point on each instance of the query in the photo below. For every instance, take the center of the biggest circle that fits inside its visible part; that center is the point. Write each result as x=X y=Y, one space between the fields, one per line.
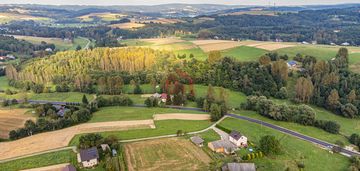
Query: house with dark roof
x=197 y=141
x=292 y=64
x=239 y=167
x=238 y=139
x=222 y=146
x=69 y=168
x=88 y=157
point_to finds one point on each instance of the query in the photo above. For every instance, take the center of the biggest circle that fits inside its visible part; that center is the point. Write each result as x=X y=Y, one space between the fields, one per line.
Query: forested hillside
x=71 y=65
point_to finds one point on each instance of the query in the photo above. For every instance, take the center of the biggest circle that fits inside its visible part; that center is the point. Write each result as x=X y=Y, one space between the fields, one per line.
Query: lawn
x=164 y=127
x=293 y=150
x=4 y=84
x=244 y=53
x=235 y=98
x=133 y=113
x=135 y=42
x=42 y=160
x=163 y=154
x=61 y=97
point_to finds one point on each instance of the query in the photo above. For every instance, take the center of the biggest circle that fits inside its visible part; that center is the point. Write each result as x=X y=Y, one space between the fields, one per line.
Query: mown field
x=8 y=17
x=133 y=113
x=163 y=154
x=38 y=161
x=293 y=150
x=60 y=44
x=163 y=127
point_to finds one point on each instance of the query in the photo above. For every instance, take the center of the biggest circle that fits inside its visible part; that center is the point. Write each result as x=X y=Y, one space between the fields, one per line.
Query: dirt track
x=57 y=167
x=61 y=138
x=181 y=116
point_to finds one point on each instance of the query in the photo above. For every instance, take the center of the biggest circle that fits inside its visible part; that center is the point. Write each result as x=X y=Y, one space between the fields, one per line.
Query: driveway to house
x=222 y=134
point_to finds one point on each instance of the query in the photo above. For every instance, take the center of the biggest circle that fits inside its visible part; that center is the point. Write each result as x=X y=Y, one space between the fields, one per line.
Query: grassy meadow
x=117 y=113
x=163 y=127
x=41 y=160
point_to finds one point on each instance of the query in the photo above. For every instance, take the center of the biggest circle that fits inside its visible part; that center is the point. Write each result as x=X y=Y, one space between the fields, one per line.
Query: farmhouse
x=164 y=97
x=222 y=146
x=239 y=167
x=88 y=157
x=238 y=139
x=197 y=141
x=292 y=64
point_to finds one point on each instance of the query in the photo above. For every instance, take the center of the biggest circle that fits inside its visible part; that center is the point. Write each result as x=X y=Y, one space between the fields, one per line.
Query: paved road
x=321 y=143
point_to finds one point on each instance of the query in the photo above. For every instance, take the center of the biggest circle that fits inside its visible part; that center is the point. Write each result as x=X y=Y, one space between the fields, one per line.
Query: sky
x=155 y=2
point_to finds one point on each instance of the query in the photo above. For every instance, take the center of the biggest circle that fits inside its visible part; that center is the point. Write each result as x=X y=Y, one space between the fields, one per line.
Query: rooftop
x=223 y=144
x=89 y=154
x=239 y=167
x=235 y=134
x=196 y=140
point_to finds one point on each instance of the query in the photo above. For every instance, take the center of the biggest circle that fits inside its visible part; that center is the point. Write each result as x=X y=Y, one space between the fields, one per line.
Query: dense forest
x=78 y=66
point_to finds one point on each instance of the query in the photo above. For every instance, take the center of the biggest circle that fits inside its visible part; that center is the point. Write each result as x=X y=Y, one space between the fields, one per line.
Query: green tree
x=333 y=99
x=137 y=89
x=90 y=140
x=78 y=47
x=215 y=112
x=210 y=96
x=214 y=57
x=270 y=145
x=85 y=100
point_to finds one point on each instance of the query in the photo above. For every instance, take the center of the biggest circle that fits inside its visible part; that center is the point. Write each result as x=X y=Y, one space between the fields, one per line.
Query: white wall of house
x=90 y=163
x=239 y=143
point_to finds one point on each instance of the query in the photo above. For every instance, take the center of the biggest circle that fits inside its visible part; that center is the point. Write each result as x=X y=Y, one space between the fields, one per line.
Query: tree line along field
x=59 y=43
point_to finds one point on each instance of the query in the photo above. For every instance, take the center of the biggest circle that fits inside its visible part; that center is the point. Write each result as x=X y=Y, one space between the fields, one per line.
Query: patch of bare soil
x=181 y=116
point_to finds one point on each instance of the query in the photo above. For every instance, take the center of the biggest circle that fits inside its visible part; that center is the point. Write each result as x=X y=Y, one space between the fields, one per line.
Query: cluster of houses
x=228 y=146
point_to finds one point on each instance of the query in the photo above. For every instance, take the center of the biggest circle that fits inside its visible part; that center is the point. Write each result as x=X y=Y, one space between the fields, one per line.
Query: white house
x=88 y=157
x=238 y=139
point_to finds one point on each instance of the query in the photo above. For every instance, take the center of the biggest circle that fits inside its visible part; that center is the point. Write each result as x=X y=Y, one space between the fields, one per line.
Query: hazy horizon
x=157 y=2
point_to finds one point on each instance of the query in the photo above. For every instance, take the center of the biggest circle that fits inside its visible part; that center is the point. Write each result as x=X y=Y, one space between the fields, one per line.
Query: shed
x=69 y=168
x=239 y=167
x=197 y=140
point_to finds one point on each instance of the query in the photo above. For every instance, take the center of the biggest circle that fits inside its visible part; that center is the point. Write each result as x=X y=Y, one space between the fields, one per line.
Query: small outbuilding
x=69 y=168
x=239 y=167
x=88 y=157
x=222 y=146
x=197 y=141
